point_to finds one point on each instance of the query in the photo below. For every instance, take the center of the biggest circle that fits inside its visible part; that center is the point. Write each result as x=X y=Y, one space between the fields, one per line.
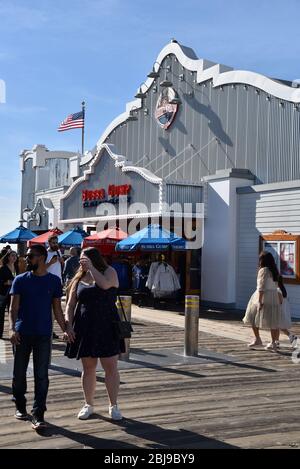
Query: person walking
x=8 y=272
x=33 y=295
x=91 y=308
x=264 y=309
x=54 y=262
x=71 y=266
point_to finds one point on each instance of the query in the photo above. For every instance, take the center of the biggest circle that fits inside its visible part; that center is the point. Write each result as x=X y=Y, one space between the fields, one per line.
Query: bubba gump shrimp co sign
x=94 y=197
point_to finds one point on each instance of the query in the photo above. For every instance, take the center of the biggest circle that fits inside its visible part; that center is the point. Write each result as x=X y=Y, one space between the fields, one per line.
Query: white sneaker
x=85 y=412
x=294 y=340
x=114 y=412
x=271 y=346
x=292 y=337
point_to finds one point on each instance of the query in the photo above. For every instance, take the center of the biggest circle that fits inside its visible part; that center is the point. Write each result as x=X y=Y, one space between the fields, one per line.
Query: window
x=285 y=249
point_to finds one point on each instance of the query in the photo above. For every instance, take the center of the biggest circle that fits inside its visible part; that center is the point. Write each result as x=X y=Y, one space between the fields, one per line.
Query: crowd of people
x=33 y=294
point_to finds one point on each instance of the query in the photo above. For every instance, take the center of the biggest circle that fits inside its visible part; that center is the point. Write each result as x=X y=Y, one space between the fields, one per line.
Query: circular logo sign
x=165 y=110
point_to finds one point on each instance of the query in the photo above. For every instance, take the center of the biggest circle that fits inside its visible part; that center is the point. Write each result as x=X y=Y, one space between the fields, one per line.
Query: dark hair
x=4 y=251
x=267 y=260
x=40 y=249
x=51 y=237
x=282 y=287
x=5 y=258
x=97 y=260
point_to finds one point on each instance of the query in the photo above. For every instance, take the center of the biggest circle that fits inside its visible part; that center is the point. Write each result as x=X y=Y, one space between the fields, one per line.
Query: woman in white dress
x=264 y=309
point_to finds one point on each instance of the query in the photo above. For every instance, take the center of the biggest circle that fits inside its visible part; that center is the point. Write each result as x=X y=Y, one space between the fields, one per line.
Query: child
x=286 y=314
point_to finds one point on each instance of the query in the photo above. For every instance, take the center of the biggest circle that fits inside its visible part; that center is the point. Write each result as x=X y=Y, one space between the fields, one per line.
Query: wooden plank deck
x=252 y=402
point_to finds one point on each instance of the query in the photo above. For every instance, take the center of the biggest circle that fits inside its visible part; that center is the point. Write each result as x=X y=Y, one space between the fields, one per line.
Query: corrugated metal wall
x=263 y=213
x=187 y=194
x=58 y=172
x=254 y=132
x=105 y=174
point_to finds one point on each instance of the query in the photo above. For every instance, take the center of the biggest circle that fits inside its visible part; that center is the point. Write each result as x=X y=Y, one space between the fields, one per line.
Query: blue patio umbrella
x=19 y=235
x=72 y=238
x=152 y=238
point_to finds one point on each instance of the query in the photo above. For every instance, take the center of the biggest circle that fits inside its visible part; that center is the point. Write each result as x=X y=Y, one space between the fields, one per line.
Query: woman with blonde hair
x=91 y=310
x=264 y=308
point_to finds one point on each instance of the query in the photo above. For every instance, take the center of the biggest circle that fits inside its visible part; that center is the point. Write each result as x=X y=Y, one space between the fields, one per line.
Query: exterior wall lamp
x=141 y=94
x=132 y=115
x=154 y=73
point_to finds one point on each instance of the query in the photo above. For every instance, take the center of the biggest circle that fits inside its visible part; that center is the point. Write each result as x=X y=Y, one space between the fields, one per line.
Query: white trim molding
x=40 y=153
x=206 y=70
x=120 y=162
x=278 y=90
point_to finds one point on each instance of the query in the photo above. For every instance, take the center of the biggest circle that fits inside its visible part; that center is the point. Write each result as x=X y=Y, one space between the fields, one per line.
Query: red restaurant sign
x=91 y=198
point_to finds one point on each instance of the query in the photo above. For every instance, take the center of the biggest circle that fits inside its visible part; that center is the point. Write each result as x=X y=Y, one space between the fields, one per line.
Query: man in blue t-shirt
x=34 y=294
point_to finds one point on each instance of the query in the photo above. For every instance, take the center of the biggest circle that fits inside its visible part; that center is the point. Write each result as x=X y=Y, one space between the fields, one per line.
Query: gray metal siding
x=105 y=174
x=253 y=132
x=184 y=194
x=263 y=213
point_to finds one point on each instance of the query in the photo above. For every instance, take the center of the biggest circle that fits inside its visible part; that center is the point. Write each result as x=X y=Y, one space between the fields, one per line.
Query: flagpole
x=82 y=135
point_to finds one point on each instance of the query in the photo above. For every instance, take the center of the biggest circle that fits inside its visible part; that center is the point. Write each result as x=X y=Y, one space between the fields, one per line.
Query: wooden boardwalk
x=250 y=400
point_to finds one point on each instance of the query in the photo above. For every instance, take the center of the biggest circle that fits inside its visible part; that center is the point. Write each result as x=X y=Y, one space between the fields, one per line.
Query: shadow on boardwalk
x=157 y=436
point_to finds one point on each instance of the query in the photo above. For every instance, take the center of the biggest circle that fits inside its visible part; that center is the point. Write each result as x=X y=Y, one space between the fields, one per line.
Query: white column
x=219 y=252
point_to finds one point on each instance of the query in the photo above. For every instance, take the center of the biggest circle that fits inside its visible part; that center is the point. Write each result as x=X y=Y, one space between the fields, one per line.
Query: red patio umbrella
x=105 y=240
x=43 y=238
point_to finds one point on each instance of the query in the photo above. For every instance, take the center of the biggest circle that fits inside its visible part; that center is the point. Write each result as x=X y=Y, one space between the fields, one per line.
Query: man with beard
x=33 y=295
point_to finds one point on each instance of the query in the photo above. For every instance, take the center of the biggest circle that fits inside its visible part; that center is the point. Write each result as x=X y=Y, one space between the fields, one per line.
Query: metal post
x=82 y=133
x=126 y=302
x=191 y=325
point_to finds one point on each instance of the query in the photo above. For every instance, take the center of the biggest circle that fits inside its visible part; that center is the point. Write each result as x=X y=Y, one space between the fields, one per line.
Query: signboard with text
x=94 y=197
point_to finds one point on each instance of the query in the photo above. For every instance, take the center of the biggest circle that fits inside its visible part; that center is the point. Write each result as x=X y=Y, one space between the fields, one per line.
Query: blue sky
x=54 y=54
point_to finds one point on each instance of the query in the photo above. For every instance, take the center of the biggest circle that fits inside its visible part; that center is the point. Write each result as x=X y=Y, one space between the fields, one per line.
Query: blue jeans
x=40 y=346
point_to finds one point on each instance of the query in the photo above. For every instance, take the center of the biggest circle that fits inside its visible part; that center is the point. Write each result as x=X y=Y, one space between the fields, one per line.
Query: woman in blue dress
x=90 y=314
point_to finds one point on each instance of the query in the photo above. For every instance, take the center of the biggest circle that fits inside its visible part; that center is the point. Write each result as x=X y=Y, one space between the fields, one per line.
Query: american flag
x=73 y=121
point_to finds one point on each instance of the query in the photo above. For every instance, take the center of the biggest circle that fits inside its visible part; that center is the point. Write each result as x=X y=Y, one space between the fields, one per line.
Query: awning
x=19 y=235
x=152 y=238
x=72 y=238
x=106 y=240
x=43 y=238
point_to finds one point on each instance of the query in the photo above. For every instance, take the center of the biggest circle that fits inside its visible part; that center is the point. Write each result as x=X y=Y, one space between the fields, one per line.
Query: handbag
x=123 y=327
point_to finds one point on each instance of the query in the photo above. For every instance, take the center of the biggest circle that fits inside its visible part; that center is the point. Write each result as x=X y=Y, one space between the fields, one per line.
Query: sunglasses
x=31 y=255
